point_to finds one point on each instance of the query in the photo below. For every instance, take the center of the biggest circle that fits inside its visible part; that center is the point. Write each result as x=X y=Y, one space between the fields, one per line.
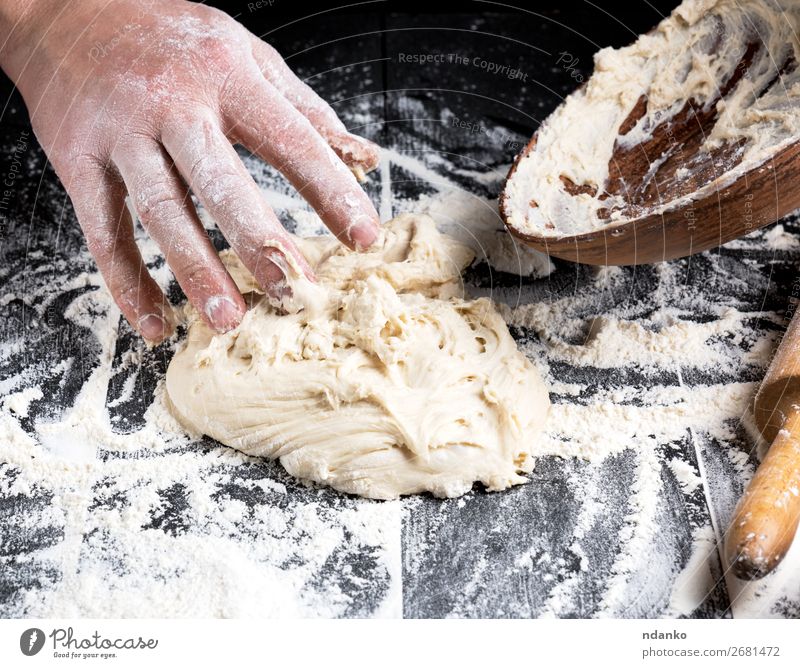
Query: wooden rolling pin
x=766 y=519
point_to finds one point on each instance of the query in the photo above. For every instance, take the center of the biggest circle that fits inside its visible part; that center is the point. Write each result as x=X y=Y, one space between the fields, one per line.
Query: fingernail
x=364 y=232
x=356 y=152
x=275 y=267
x=152 y=327
x=223 y=313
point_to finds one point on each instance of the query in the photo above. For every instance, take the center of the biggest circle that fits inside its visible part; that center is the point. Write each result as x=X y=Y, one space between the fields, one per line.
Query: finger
x=208 y=162
x=99 y=202
x=162 y=203
x=267 y=124
x=359 y=154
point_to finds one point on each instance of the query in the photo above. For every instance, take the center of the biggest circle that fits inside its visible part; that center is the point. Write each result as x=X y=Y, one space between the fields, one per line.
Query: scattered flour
x=637 y=534
x=779 y=239
x=19 y=402
x=695 y=581
x=611 y=342
x=230 y=558
x=685 y=475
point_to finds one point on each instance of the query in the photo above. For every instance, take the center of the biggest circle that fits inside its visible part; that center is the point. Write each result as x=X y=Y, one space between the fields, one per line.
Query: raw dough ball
x=385 y=383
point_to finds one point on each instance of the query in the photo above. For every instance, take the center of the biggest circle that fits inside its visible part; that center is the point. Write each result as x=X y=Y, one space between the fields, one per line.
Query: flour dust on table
x=110 y=509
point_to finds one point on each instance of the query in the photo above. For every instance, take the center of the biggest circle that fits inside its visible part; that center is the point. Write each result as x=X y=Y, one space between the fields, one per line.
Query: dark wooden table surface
x=141 y=528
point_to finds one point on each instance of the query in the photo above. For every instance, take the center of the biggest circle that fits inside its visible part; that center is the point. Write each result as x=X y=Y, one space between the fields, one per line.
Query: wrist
x=13 y=13
x=16 y=22
x=28 y=26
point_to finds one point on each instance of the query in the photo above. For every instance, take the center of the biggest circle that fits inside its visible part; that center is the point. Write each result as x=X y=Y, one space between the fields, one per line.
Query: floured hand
x=146 y=99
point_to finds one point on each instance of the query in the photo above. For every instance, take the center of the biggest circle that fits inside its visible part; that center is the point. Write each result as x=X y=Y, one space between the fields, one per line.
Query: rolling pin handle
x=767 y=516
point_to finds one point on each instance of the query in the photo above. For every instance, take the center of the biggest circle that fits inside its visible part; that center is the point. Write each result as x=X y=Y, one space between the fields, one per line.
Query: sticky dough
x=688 y=56
x=383 y=382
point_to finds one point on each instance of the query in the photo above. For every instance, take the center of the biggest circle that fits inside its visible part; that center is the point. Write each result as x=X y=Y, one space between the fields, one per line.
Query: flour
x=780 y=240
x=234 y=569
x=639 y=529
x=474 y=221
x=696 y=580
x=19 y=402
x=260 y=545
x=227 y=562
x=685 y=475
x=611 y=342
x=690 y=56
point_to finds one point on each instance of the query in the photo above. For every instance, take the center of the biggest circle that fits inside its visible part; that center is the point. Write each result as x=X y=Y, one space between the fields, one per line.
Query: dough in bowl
x=380 y=381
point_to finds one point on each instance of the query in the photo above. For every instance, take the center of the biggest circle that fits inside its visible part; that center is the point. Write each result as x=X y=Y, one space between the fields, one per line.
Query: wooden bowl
x=668 y=212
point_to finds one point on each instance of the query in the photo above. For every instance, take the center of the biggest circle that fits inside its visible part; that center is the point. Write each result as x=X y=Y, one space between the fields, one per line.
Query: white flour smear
x=222 y=557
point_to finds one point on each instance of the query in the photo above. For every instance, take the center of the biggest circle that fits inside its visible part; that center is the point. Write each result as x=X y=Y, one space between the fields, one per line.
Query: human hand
x=146 y=99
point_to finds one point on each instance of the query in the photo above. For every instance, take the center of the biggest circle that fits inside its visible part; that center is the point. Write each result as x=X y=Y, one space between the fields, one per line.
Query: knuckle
x=82 y=173
x=182 y=127
x=220 y=56
x=104 y=242
x=202 y=170
x=126 y=294
x=268 y=58
x=211 y=14
x=188 y=133
x=239 y=85
x=218 y=51
x=195 y=276
x=76 y=137
x=157 y=202
x=214 y=184
x=100 y=245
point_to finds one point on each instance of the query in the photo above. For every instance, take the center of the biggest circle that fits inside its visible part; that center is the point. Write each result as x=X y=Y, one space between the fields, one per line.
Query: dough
x=688 y=56
x=383 y=381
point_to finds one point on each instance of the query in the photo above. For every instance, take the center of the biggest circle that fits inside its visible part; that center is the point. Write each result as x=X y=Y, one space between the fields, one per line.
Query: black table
x=106 y=512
